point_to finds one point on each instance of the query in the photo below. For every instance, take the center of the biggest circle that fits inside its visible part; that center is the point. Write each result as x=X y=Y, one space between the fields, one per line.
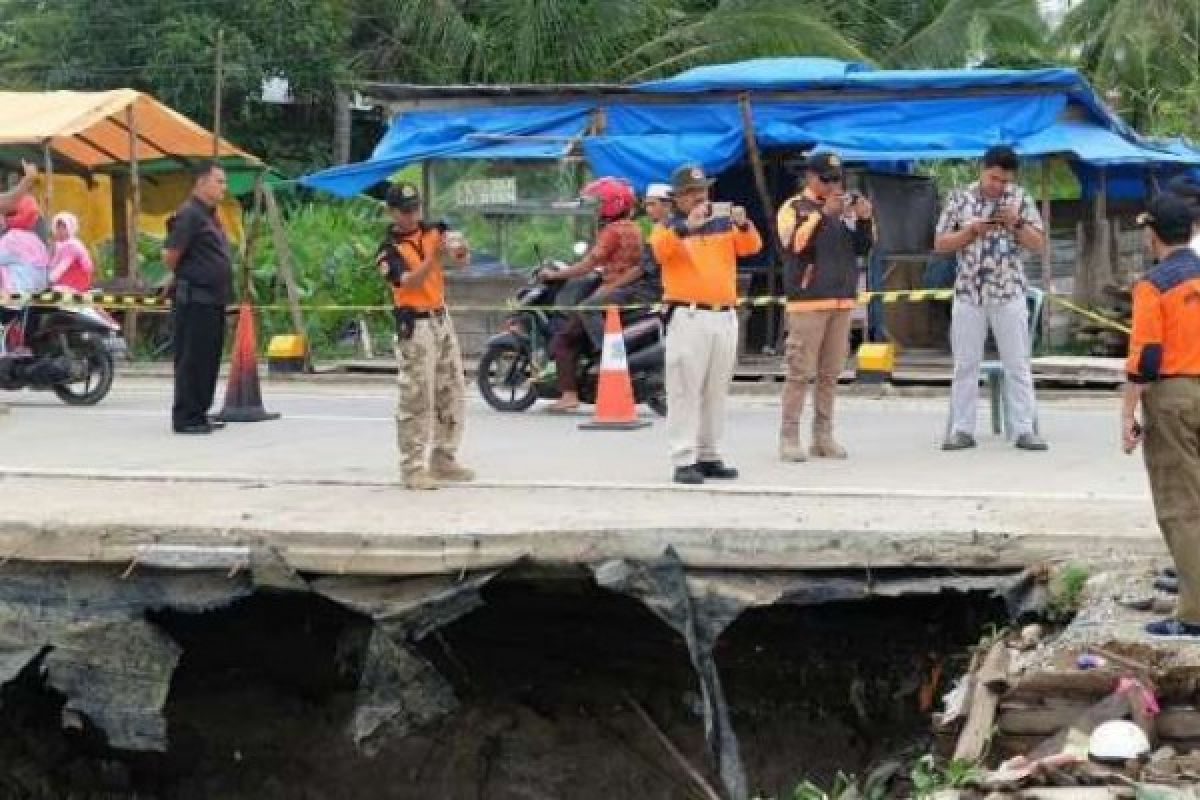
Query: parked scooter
x=68 y=351
x=517 y=369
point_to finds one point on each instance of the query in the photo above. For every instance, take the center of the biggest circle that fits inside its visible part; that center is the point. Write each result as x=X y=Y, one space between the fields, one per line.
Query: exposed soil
x=546 y=673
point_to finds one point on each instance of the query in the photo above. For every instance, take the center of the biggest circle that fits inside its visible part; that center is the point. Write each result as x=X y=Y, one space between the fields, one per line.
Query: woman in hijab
x=71 y=265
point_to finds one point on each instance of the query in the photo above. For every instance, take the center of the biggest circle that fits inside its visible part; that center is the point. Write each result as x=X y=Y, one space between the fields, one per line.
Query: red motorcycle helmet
x=615 y=196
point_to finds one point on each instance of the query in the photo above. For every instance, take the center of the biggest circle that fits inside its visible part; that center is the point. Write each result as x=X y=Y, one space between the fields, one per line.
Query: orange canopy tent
x=87 y=132
x=116 y=158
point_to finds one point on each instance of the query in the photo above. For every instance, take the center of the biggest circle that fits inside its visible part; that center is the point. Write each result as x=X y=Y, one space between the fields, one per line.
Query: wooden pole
x=250 y=240
x=1047 y=267
x=764 y=197
x=218 y=86
x=133 y=219
x=48 y=179
x=284 y=253
x=1102 y=264
x=987 y=685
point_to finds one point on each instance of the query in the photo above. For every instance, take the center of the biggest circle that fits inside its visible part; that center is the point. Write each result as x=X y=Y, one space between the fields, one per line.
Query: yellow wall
x=93 y=205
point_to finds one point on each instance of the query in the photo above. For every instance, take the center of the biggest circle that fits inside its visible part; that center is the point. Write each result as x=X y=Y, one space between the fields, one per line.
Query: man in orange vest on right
x=1164 y=387
x=698 y=248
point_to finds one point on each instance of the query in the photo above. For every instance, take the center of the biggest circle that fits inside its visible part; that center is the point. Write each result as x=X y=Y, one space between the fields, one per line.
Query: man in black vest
x=823 y=231
x=197 y=250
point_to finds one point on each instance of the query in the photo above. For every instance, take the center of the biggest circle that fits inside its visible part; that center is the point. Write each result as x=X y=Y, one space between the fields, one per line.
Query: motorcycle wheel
x=97 y=377
x=505 y=378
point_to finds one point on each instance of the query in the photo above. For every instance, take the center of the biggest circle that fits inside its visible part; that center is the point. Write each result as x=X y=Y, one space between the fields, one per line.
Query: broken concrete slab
x=87 y=626
x=371 y=529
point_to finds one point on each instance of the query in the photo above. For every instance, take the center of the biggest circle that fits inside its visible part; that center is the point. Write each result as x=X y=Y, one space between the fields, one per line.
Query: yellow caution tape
x=129 y=301
x=1108 y=322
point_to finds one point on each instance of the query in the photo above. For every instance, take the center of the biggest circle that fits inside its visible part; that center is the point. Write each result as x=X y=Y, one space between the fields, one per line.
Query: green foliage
x=151 y=269
x=928 y=777
x=925 y=778
x=168 y=48
x=1066 y=592
x=1147 y=52
x=332 y=244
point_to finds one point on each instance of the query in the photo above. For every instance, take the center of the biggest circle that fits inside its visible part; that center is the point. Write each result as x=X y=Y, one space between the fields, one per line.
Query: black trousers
x=199 y=338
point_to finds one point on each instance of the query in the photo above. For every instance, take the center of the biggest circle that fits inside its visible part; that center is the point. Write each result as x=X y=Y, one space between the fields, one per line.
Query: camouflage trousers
x=1172 y=450
x=430 y=409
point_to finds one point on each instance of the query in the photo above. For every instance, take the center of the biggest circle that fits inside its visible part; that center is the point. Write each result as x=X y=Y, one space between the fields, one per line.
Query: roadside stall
x=751 y=124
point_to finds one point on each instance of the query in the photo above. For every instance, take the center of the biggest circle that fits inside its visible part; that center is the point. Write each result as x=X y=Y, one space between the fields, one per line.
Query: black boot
x=689 y=475
x=716 y=469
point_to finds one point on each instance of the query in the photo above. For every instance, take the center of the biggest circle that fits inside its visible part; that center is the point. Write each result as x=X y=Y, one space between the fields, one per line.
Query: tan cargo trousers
x=817 y=345
x=1172 y=452
x=701 y=351
x=430 y=405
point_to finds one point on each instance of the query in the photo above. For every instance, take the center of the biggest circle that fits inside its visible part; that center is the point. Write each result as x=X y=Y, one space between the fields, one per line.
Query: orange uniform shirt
x=1165 y=342
x=408 y=251
x=701 y=266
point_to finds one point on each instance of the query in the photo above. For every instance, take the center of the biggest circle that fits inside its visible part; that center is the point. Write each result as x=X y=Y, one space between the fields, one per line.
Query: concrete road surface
x=346 y=433
x=101 y=483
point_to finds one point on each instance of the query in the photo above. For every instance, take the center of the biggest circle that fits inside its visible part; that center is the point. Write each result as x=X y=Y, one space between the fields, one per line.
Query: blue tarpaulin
x=532 y=132
x=867 y=116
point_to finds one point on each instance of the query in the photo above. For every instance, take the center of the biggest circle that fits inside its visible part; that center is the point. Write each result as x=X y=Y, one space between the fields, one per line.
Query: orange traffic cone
x=243 y=397
x=615 y=410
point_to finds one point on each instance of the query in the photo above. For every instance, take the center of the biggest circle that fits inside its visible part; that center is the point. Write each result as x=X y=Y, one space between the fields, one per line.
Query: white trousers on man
x=701 y=350
x=1009 y=323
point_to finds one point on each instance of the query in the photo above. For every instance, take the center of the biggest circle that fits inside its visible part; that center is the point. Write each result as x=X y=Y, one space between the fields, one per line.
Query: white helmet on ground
x=1118 y=740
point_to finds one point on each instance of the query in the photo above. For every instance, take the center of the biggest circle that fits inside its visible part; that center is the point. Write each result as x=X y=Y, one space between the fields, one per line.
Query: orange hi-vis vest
x=1165 y=342
x=701 y=266
x=408 y=252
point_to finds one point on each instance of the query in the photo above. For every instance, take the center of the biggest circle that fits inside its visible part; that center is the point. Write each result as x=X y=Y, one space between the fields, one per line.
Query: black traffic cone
x=243 y=397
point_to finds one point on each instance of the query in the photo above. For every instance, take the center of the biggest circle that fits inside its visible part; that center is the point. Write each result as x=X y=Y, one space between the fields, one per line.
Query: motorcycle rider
x=23 y=254
x=617 y=255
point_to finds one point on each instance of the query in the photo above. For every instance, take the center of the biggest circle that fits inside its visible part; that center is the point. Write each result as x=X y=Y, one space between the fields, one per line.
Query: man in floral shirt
x=986 y=225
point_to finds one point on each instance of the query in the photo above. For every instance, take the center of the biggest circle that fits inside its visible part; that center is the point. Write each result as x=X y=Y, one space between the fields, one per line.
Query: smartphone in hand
x=720 y=209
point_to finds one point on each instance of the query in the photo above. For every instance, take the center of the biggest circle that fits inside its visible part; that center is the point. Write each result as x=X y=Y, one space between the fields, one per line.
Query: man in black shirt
x=198 y=252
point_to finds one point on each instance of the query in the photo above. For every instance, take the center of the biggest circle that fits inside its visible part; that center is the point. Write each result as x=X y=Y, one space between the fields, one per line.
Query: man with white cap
x=658 y=202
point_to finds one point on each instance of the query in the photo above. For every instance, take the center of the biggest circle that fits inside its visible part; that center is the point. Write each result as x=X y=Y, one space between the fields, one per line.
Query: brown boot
x=449 y=470
x=420 y=480
x=791 y=450
x=825 y=447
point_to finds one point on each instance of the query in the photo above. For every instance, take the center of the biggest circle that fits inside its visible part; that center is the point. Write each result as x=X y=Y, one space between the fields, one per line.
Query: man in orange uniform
x=1164 y=379
x=428 y=363
x=697 y=249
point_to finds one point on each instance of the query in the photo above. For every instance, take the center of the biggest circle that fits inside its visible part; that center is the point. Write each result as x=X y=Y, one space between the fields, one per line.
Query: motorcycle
x=68 y=351
x=517 y=369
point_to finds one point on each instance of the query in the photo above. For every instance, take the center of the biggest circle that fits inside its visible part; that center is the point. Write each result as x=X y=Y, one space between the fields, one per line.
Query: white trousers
x=701 y=350
x=1009 y=324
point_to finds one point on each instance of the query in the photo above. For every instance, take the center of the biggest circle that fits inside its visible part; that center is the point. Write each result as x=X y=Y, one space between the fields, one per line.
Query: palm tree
x=1147 y=51
x=944 y=33
x=592 y=40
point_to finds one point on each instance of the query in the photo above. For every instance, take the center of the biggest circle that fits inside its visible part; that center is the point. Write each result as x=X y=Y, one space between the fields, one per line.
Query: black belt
x=188 y=293
x=412 y=313
x=698 y=306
